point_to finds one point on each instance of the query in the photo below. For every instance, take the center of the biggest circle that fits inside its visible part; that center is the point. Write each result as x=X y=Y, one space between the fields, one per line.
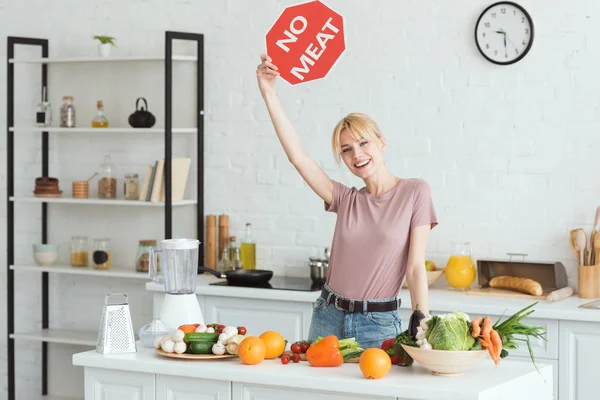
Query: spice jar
x=101 y=256
x=107 y=185
x=132 y=191
x=142 y=258
x=67 y=113
x=79 y=251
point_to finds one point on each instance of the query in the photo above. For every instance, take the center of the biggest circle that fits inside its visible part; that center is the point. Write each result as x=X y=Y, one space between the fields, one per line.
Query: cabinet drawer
x=106 y=384
x=258 y=392
x=179 y=388
x=541 y=349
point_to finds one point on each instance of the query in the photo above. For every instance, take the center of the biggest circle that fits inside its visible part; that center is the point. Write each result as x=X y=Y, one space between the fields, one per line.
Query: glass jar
x=79 y=251
x=67 y=113
x=460 y=270
x=132 y=187
x=142 y=258
x=107 y=184
x=101 y=256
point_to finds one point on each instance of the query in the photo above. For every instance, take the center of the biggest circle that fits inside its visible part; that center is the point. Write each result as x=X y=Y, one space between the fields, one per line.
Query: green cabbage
x=450 y=332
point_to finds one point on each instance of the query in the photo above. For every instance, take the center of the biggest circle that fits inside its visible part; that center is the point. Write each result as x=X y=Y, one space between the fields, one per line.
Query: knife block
x=588 y=281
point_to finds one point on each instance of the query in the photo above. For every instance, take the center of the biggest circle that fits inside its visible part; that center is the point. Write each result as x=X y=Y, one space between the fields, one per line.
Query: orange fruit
x=188 y=328
x=252 y=350
x=274 y=342
x=374 y=363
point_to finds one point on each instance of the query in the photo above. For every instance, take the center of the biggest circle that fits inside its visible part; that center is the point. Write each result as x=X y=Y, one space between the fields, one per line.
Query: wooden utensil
x=573 y=242
x=581 y=243
x=596 y=247
x=593 y=252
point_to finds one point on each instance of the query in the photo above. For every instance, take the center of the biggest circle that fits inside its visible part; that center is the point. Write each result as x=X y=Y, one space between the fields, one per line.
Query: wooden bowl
x=443 y=362
x=432 y=277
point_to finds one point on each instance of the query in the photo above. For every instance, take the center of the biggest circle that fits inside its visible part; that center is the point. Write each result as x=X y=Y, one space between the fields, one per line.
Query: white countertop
x=440 y=299
x=484 y=381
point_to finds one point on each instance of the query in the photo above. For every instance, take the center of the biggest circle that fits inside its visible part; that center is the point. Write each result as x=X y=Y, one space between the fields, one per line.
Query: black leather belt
x=344 y=304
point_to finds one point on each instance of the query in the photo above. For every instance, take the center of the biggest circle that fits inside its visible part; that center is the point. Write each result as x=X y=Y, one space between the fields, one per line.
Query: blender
x=179 y=264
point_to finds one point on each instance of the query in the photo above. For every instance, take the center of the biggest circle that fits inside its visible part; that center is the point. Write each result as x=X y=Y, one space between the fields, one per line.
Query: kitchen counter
x=440 y=300
x=271 y=380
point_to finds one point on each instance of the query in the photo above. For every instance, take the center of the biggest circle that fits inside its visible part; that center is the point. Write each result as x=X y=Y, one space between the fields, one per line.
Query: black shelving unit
x=12 y=43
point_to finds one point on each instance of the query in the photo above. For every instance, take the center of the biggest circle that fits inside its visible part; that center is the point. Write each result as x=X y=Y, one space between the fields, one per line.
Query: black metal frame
x=12 y=42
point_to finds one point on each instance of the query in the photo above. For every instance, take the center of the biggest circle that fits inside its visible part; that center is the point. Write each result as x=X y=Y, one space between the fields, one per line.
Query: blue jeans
x=369 y=329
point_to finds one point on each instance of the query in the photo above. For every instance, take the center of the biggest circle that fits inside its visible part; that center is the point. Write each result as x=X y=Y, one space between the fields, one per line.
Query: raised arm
x=310 y=171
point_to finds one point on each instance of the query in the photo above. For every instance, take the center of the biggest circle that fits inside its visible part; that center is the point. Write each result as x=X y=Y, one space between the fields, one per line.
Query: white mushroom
x=168 y=346
x=218 y=348
x=180 y=347
x=178 y=336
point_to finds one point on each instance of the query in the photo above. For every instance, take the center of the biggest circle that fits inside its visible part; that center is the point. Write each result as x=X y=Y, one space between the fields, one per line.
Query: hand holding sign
x=306 y=41
x=266 y=74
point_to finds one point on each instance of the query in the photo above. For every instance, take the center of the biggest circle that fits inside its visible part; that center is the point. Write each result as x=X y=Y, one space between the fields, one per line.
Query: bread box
x=550 y=275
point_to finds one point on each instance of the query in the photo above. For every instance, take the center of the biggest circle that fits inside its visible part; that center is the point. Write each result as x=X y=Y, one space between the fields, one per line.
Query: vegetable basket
x=445 y=362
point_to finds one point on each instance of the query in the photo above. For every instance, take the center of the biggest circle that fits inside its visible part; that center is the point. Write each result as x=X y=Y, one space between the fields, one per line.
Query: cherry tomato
x=285 y=359
x=296 y=348
x=296 y=357
x=304 y=347
x=241 y=330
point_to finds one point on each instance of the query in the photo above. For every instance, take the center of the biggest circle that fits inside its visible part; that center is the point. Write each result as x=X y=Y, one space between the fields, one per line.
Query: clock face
x=504 y=33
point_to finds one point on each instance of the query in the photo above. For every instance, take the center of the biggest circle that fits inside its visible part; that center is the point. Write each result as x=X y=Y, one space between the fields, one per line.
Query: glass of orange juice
x=460 y=270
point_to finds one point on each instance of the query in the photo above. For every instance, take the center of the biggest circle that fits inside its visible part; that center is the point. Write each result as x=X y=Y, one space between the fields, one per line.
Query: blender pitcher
x=179 y=265
x=179 y=259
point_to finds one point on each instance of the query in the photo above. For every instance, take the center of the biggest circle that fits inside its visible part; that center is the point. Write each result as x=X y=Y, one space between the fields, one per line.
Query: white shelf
x=69 y=200
x=113 y=272
x=92 y=59
x=98 y=130
x=51 y=397
x=63 y=336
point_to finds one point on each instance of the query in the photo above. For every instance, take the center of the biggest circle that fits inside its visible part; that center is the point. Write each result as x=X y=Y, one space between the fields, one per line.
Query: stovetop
x=282 y=283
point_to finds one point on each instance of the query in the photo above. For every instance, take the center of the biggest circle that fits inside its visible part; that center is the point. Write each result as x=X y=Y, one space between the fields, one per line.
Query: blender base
x=181 y=309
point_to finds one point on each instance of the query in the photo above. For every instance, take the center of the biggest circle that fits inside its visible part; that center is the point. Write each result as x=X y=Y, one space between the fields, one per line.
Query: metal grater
x=116 y=330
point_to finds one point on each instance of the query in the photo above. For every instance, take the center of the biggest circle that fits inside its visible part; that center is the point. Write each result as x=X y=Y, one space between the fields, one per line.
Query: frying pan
x=242 y=277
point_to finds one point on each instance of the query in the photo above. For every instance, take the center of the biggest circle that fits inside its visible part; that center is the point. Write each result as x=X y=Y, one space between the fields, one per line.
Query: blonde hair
x=359 y=126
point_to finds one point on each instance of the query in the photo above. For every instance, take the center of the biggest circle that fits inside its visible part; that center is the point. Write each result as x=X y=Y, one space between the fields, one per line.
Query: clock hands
x=501 y=31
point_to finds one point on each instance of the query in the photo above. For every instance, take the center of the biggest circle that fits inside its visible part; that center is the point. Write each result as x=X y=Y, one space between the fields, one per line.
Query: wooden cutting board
x=505 y=293
x=188 y=356
x=303 y=357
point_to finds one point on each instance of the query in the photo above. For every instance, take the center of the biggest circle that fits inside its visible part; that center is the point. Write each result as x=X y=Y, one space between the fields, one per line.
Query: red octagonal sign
x=306 y=41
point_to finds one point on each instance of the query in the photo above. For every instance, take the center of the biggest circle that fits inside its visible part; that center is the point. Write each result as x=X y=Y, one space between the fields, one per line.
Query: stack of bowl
x=81 y=189
x=45 y=254
x=46 y=187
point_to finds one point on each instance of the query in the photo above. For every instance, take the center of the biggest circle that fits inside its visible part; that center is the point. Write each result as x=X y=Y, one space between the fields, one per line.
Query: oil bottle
x=249 y=249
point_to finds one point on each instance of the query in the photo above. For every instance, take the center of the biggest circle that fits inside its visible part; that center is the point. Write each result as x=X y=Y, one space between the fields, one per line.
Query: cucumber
x=201 y=337
x=201 y=347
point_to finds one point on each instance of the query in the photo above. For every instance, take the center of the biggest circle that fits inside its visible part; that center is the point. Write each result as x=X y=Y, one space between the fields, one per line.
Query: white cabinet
x=290 y=318
x=177 y=388
x=105 y=384
x=579 y=355
x=242 y=391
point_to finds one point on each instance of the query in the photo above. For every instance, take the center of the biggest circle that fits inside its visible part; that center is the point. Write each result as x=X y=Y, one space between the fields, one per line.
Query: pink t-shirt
x=372 y=236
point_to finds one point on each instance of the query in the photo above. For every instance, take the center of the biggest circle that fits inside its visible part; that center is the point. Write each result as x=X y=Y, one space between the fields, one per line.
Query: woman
x=381 y=231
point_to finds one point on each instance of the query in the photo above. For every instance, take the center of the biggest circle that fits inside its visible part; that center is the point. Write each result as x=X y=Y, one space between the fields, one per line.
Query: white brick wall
x=509 y=151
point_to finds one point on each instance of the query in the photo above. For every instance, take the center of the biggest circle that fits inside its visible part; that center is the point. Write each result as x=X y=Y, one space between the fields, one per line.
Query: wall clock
x=504 y=33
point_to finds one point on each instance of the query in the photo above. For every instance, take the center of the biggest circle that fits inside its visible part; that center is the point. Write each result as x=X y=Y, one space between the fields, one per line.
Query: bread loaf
x=523 y=285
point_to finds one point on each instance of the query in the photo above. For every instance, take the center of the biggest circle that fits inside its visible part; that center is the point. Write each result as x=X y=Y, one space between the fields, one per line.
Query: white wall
x=511 y=152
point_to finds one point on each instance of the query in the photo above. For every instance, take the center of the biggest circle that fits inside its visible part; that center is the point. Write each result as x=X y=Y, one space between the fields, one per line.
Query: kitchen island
x=573 y=333
x=147 y=376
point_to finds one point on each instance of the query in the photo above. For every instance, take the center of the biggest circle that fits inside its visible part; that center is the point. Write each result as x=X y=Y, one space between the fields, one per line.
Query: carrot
x=476 y=327
x=487 y=327
x=497 y=341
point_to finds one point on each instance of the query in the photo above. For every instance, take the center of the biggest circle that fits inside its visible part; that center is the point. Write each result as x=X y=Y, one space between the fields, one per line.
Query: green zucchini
x=201 y=337
x=201 y=347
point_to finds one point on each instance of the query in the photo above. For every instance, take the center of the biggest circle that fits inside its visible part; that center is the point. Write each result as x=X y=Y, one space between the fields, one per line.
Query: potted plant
x=105 y=42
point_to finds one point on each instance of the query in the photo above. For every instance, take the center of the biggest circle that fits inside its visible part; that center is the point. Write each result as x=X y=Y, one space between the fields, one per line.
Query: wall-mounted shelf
x=45 y=62
x=116 y=202
x=92 y=59
x=63 y=336
x=113 y=272
x=98 y=130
